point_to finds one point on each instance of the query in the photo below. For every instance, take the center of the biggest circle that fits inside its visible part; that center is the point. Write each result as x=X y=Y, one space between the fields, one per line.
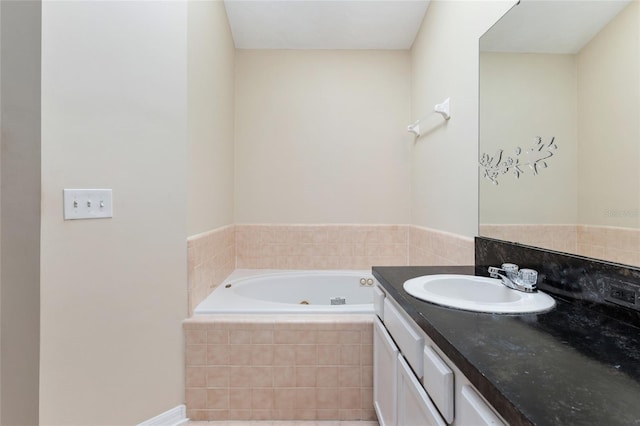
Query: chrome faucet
x=521 y=280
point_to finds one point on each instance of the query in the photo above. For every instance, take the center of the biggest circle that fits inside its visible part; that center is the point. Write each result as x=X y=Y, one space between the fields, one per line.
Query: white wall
x=321 y=136
x=211 y=117
x=113 y=291
x=445 y=160
x=609 y=123
x=524 y=95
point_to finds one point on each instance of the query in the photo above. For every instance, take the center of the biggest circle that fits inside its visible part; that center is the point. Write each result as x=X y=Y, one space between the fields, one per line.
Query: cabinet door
x=385 y=358
x=414 y=406
x=474 y=411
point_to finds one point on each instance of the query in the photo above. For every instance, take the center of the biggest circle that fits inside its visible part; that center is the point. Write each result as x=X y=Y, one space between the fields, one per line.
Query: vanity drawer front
x=414 y=406
x=438 y=382
x=408 y=339
x=472 y=410
x=378 y=302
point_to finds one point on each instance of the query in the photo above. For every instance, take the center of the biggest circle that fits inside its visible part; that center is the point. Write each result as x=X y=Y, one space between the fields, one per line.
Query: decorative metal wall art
x=534 y=157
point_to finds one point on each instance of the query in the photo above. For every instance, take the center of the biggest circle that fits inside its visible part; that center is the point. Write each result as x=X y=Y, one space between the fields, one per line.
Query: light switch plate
x=87 y=203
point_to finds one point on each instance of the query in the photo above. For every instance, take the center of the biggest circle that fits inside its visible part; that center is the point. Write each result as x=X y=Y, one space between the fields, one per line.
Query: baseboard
x=175 y=417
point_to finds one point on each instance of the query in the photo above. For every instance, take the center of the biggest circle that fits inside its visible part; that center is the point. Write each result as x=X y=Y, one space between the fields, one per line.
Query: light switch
x=87 y=203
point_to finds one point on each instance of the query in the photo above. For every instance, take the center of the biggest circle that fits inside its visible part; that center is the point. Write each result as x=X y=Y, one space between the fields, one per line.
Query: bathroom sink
x=478 y=294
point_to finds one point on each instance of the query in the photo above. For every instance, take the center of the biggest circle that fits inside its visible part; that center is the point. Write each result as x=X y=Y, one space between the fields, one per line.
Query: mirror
x=560 y=87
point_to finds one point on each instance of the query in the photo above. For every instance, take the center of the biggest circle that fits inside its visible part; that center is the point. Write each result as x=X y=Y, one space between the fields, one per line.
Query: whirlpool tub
x=291 y=292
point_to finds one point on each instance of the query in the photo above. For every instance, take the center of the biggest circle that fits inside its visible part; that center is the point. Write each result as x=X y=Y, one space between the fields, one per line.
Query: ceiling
x=325 y=24
x=550 y=26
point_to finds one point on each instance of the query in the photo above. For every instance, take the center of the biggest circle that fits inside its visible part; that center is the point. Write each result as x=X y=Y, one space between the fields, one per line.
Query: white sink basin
x=477 y=294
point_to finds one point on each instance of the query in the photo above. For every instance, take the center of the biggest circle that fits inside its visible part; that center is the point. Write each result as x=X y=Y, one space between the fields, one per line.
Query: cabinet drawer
x=438 y=382
x=378 y=302
x=414 y=406
x=474 y=411
x=408 y=339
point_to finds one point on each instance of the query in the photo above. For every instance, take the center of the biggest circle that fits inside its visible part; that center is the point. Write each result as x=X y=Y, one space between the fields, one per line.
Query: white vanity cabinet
x=399 y=398
x=415 y=384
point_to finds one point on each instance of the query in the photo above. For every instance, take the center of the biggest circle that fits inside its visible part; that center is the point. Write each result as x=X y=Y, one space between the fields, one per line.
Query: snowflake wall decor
x=534 y=157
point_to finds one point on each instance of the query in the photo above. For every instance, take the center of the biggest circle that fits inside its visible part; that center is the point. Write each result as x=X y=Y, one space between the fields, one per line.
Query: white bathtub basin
x=478 y=294
x=291 y=292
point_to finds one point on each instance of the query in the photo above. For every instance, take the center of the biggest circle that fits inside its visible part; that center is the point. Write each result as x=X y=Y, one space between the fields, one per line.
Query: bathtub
x=290 y=292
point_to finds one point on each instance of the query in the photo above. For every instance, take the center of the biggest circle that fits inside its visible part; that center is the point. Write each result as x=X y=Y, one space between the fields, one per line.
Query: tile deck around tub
x=302 y=367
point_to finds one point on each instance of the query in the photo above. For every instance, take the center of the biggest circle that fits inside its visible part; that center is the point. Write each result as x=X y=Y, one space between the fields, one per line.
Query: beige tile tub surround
x=614 y=244
x=215 y=254
x=211 y=258
x=278 y=367
x=432 y=247
x=347 y=246
x=562 y=237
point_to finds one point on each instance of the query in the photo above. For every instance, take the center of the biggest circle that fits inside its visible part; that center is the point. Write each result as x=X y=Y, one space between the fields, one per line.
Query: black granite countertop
x=568 y=366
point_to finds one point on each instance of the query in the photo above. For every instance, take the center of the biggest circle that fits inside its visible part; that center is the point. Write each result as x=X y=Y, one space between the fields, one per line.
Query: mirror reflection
x=567 y=72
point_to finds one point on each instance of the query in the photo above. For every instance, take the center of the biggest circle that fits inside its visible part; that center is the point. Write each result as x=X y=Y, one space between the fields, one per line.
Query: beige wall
x=211 y=116
x=444 y=62
x=593 y=117
x=609 y=191
x=523 y=96
x=113 y=291
x=20 y=206
x=320 y=137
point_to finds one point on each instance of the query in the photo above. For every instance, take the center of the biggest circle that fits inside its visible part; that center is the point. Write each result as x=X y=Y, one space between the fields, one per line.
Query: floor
x=284 y=423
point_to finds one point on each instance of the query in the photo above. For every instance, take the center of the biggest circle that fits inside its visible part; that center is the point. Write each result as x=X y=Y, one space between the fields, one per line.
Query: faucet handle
x=511 y=270
x=529 y=277
x=494 y=271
